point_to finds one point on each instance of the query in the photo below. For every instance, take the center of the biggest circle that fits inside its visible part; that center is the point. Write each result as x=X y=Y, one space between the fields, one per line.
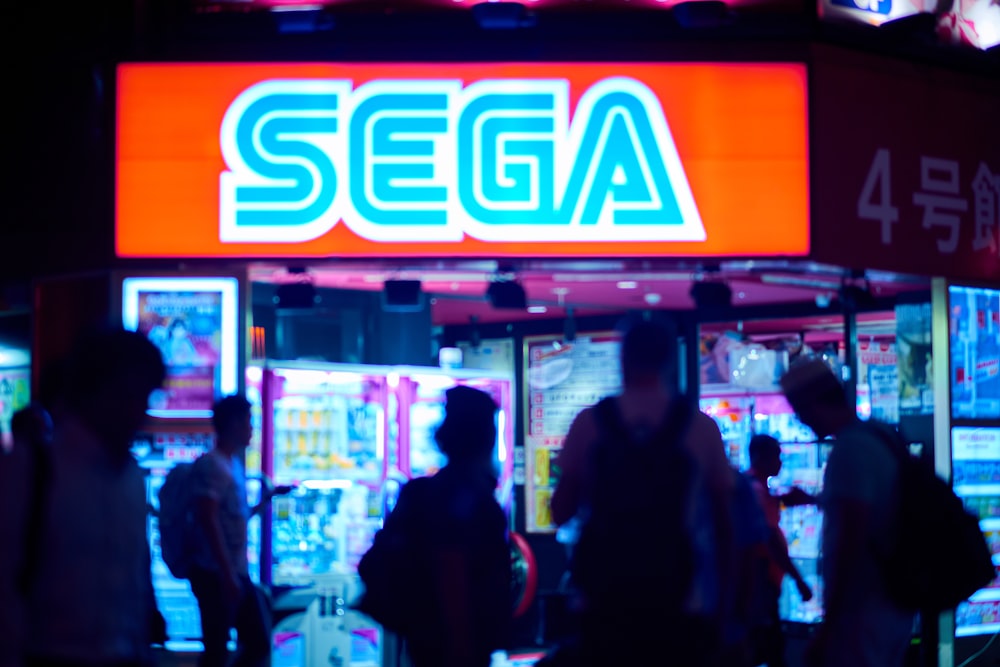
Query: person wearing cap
x=466 y=593
x=862 y=627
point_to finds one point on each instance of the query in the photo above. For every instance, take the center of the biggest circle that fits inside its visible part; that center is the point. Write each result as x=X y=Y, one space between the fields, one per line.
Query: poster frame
x=228 y=381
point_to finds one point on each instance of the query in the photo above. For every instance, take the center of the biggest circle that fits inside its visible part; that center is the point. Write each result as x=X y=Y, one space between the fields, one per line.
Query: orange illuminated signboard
x=471 y=160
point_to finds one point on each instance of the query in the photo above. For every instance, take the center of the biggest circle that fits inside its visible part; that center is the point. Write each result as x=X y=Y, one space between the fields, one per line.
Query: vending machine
x=323 y=432
x=343 y=436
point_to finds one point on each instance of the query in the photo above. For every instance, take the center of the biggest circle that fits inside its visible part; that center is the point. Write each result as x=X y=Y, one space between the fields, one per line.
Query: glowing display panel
x=556 y=159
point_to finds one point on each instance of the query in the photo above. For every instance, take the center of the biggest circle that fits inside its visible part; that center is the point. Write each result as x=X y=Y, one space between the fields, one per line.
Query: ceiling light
x=537 y=309
x=652 y=298
x=626 y=284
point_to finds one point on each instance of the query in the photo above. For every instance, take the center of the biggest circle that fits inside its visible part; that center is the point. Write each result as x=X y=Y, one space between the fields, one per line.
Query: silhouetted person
x=458 y=533
x=75 y=587
x=220 y=578
x=740 y=603
x=679 y=610
x=32 y=427
x=765 y=462
x=862 y=627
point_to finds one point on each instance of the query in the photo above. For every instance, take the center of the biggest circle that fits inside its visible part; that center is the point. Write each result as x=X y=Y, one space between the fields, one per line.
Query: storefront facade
x=817 y=164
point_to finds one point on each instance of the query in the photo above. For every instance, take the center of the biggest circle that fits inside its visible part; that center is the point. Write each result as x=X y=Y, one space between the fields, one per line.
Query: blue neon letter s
x=281 y=184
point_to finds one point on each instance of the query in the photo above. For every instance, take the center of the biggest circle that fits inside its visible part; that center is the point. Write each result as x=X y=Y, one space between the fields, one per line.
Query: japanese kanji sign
x=906 y=167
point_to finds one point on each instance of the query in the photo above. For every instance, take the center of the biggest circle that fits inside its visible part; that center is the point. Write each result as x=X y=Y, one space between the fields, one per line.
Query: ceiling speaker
x=711 y=295
x=295 y=296
x=402 y=296
x=507 y=294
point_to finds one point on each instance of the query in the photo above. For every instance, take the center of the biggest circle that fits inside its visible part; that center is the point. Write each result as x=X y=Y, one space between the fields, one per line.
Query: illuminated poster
x=913 y=351
x=974 y=332
x=563 y=379
x=193 y=323
x=878 y=381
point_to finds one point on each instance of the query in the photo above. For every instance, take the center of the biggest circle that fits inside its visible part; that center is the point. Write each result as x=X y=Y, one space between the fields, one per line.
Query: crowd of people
x=679 y=561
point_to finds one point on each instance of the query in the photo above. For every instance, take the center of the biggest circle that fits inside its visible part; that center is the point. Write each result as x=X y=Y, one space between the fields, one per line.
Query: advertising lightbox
x=193 y=322
x=462 y=160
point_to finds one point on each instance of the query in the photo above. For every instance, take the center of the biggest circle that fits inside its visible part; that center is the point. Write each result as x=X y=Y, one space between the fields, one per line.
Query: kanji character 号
x=939 y=180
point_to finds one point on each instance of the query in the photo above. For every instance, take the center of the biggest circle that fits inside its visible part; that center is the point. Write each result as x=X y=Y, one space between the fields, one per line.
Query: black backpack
x=396 y=570
x=937 y=554
x=635 y=546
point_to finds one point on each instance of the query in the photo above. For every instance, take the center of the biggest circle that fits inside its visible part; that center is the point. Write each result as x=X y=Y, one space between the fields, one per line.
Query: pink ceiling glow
x=459 y=293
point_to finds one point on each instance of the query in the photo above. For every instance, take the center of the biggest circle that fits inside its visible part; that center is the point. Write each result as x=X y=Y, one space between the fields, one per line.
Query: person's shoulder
x=587 y=418
x=702 y=421
x=208 y=469
x=583 y=432
x=204 y=463
x=419 y=488
x=703 y=427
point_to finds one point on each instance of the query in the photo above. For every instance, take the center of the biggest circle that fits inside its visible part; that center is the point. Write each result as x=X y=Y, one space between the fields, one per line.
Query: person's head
x=31 y=426
x=765 y=455
x=231 y=421
x=817 y=397
x=648 y=353
x=178 y=328
x=109 y=376
x=469 y=431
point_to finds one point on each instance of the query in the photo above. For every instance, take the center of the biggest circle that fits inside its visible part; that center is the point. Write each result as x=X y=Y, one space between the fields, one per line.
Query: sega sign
x=306 y=160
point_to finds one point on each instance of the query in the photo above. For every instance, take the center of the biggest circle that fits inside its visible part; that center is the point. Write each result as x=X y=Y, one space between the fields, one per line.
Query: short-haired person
x=645 y=404
x=861 y=627
x=220 y=578
x=75 y=582
x=458 y=534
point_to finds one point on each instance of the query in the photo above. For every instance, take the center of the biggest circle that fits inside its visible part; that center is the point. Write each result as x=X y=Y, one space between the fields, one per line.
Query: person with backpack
x=438 y=574
x=646 y=473
x=862 y=625
x=75 y=581
x=219 y=569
